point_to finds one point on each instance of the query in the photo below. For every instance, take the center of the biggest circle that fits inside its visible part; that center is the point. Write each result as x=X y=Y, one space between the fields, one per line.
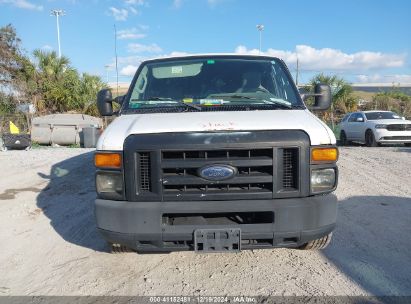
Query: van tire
x=318 y=243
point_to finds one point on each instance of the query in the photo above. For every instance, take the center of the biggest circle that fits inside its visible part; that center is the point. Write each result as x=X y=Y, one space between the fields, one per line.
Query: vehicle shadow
x=68 y=200
x=372 y=243
x=404 y=149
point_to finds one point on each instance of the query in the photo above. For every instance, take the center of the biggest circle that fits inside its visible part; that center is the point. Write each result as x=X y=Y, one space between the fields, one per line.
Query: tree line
x=43 y=79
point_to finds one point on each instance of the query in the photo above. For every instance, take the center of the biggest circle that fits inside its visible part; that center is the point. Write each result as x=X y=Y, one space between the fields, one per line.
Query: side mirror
x=322 y=97
x=360 y=119
x=105 y=102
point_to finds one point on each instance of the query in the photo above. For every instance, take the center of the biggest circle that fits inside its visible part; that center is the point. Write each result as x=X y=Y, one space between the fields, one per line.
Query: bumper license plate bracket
x=217 y=240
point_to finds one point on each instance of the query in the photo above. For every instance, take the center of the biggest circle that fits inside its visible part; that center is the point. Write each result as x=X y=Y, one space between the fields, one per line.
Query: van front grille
x=144 y=169
x=169 y=167
x=181 y=171
x=290 y=168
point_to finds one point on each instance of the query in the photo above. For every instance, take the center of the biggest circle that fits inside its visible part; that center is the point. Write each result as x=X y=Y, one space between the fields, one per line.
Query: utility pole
x=57 y=13
x=115 y=52
x=297 y=72
x=260 y=28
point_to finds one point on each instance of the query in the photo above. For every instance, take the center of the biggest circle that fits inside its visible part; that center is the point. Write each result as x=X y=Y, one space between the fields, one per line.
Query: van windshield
x=203 y=83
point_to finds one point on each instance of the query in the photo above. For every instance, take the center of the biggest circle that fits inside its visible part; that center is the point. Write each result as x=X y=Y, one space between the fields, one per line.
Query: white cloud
x=213 y=2
x=133 y=10
x=131 y=5
x=177 y=3
x=24 y=4
x=132 y=33
x=144 y=48
x=399 y=78
x=120 y=14
x=176 y=54
x=312 y=59
x=136 y=2
x=47 y=47
x=126 y=60
x=129 y=70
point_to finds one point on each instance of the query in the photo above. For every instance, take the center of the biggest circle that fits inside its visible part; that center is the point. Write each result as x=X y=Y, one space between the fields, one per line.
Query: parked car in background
x=374 y=128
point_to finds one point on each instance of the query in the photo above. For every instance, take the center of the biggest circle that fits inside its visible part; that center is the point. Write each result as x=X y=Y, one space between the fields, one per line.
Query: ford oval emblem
x=217 y=172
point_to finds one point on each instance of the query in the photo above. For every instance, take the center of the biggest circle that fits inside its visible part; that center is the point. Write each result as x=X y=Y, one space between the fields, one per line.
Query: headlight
x=322 y=180
x=380 y=126
x=109 y=185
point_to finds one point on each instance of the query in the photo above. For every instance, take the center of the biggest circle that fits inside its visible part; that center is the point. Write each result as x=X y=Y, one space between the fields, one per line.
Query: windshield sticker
x=211 y=102
x=176 y=70
x=188 y=100
x=210 y=61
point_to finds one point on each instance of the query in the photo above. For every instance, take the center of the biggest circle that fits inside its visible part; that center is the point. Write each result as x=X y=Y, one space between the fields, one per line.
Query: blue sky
x=361 y=40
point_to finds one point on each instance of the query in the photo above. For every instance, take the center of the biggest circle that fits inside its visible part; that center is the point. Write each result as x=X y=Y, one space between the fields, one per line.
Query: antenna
x=115 y=52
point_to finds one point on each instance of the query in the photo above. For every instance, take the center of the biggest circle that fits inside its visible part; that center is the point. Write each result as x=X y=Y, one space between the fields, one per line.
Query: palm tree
x=55 y=79
x=50 y=65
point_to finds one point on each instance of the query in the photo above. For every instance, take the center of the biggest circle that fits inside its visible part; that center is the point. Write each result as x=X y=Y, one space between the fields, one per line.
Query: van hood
x=115 y=134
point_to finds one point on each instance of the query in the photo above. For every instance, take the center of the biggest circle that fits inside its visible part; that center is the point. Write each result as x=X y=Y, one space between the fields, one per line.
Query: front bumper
x=139 y=225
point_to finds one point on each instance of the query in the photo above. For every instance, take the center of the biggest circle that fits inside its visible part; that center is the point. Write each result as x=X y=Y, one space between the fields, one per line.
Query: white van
x=215 y=153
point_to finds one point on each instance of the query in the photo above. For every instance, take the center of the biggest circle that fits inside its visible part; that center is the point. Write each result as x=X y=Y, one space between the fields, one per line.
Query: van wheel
x=370 y=139
x=343 y=139
x=118 y=248
x=318 y=243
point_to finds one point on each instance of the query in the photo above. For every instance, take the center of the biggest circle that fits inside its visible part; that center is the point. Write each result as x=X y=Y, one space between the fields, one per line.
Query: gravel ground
x=49 y=245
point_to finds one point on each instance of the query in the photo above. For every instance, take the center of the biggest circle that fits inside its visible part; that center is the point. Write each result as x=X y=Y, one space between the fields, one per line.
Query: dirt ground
x=49 y=244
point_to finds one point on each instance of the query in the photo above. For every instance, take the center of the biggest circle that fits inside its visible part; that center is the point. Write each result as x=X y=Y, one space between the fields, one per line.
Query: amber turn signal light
x=107 y=160
x=324 y=154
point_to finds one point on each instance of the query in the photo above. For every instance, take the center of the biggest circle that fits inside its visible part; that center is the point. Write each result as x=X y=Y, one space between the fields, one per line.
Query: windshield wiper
x=236 y=96
x=279 y=102
x=171 y=101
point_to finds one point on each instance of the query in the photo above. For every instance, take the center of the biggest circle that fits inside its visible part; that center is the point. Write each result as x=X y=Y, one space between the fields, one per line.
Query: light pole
x=57 y=13
x=260 y=28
